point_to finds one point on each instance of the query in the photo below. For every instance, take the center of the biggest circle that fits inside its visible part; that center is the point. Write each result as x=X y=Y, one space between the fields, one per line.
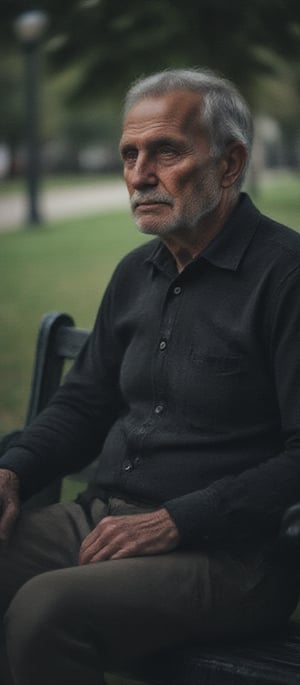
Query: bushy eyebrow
x=152 y=144
x=126 y=147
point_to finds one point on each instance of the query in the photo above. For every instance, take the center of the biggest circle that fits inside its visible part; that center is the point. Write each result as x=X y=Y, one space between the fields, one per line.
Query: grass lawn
x=279 y=197
x=63 y=266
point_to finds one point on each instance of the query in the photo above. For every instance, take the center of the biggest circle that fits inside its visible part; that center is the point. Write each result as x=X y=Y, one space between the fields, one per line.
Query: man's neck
x=186 y=246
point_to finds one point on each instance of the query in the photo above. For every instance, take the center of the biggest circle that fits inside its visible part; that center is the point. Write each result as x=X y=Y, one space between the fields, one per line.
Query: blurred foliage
x=95 y=48
x=279 y=89
x=114 y=41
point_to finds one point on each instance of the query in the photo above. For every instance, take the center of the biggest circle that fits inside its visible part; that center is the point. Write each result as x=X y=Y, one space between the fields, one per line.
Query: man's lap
x=190 y=594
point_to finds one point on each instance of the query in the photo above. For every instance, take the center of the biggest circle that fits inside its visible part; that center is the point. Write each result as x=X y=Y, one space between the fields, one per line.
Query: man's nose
x=144 y=173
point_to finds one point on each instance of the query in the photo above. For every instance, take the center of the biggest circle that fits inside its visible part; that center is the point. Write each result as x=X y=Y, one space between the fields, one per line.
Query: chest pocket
x=216 y=390
x=219 y=365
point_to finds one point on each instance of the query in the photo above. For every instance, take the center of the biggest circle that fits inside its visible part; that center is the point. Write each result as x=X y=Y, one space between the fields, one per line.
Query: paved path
x=59 y=203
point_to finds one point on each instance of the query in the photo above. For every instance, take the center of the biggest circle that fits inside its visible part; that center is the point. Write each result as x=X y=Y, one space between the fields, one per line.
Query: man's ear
x=235 y=159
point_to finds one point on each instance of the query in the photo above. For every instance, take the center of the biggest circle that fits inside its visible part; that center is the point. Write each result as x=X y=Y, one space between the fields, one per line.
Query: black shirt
x=189 y=386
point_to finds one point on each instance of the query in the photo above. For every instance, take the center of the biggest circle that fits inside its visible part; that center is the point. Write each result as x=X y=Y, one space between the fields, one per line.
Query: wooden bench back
x=58 y=340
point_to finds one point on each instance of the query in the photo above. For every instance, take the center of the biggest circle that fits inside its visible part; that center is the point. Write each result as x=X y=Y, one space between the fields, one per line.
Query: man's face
x=172 y=180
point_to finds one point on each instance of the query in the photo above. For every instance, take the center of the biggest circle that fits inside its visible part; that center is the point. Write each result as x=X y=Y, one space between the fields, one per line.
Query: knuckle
x=106 y=523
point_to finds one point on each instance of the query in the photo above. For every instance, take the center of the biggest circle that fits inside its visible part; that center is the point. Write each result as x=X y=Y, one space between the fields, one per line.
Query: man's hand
x=117 y=537
x=9 y=502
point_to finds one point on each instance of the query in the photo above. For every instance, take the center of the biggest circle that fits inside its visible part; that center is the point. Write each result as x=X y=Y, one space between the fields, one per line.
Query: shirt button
x=159 y=409
x=127 y=466
x=162 y=345
x=177 y=290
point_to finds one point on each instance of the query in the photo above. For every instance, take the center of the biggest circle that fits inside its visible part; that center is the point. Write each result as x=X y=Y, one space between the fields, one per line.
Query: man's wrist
x=11 y=477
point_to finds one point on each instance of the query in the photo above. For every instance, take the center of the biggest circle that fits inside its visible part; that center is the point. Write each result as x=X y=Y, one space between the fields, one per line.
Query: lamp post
x=30 y=28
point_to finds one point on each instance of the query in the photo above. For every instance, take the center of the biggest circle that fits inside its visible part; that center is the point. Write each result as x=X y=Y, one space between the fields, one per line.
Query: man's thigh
x=49 y=538
x=129 y=607
x=170 y=597
x=125 y=608
x=43 y=540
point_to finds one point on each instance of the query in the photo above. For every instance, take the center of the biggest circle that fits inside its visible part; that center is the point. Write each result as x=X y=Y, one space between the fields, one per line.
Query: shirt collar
x=226 y=250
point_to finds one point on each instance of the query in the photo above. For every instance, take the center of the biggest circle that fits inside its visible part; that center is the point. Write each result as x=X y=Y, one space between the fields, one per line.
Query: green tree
x=96 y=47
x=115 y=41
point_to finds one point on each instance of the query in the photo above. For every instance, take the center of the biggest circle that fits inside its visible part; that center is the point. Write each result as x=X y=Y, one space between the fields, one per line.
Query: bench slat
x=69 y=341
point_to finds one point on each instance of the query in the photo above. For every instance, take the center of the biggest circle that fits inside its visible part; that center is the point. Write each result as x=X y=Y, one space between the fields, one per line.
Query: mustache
x=140 y=197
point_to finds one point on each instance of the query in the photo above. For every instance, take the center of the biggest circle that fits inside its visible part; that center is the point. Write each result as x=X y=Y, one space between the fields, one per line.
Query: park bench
x=272 y=659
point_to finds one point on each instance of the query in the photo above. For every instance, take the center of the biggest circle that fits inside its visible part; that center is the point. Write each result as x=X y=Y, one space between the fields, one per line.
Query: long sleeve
x=70 y=432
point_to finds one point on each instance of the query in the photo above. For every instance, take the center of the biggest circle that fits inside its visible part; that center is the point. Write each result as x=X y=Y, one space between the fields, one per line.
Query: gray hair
x=225 y=112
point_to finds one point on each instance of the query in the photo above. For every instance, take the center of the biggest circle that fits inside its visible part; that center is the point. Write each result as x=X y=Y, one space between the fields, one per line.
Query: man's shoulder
x=279 y=234
x=276 y=243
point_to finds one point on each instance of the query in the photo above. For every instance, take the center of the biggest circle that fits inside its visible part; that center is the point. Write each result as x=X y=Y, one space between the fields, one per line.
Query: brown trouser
x=66 y=623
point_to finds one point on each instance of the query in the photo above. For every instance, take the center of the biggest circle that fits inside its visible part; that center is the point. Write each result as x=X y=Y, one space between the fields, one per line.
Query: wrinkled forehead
x=180 y=109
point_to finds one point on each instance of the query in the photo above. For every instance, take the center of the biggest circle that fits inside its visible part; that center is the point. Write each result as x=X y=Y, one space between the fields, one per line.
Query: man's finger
x=89 y=546
x=101 y=551
x=86 y=554
x=8 y=520
x=101 y=535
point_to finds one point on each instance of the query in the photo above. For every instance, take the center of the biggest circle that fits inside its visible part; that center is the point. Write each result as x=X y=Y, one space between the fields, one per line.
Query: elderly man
x=189 y=389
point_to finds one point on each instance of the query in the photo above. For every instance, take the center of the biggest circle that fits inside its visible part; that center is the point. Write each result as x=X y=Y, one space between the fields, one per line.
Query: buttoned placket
x=173 y=302
x=170 y=311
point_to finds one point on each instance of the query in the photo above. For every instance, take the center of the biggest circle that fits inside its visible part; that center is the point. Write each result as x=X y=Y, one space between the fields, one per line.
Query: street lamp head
x=30 y=26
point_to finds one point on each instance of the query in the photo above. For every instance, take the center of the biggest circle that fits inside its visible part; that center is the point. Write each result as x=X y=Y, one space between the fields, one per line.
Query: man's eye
x=167 y=150
x=129 y=155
